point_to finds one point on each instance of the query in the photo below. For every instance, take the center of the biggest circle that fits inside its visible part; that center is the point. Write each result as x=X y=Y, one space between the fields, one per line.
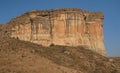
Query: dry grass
x=77 y=58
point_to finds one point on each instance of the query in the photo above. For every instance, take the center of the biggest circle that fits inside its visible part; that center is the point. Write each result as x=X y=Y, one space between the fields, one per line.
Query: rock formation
x=70 y=27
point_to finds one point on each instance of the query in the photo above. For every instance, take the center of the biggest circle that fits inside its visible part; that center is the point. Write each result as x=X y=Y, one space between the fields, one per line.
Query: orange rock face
x=70 y=27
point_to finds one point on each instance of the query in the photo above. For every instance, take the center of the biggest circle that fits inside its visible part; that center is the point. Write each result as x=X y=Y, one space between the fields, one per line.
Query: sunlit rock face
x=70 y=27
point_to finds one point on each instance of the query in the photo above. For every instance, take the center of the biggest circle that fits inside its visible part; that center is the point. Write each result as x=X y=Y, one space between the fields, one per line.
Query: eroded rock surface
x=71 y=27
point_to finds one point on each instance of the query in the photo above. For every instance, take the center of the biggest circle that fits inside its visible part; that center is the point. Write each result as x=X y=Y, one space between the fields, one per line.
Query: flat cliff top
x=25 y=17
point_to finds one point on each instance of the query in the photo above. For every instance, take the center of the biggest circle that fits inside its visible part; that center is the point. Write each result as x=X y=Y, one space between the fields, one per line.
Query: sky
x=111 y=8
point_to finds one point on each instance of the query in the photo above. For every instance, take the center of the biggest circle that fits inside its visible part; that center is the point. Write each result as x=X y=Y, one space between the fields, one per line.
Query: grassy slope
x=19 y=56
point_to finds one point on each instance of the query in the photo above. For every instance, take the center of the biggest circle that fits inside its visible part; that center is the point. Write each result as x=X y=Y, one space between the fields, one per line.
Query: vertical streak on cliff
x=65 y=23
x=76 y=22
x=51 y=28
x=31 y=21
x=74 y=19
x=37 y=31
x=51 y=18
x=77 y=30
x=52 y=22
x=82 y=29
x=66 y=19
x=18 y=30
x=87 y=34
x=69 y=24
x=33 y=31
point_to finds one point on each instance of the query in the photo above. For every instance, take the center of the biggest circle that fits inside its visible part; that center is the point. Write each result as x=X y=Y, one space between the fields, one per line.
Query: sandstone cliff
x=71 y=27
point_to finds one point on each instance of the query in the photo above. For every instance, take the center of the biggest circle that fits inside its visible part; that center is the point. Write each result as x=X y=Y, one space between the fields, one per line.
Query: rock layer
x=70 y=27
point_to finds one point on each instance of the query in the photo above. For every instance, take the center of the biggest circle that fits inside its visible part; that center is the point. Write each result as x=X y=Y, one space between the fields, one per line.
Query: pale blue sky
x=111 y=9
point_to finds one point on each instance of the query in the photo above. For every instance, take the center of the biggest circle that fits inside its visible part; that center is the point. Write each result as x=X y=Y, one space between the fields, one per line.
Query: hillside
x=24 y=57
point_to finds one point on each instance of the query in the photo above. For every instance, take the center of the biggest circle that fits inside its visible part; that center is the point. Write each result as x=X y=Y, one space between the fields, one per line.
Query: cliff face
x=71 y=27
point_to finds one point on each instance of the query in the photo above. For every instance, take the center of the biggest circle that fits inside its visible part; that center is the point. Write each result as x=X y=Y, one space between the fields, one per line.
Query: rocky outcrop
x=71 y=27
